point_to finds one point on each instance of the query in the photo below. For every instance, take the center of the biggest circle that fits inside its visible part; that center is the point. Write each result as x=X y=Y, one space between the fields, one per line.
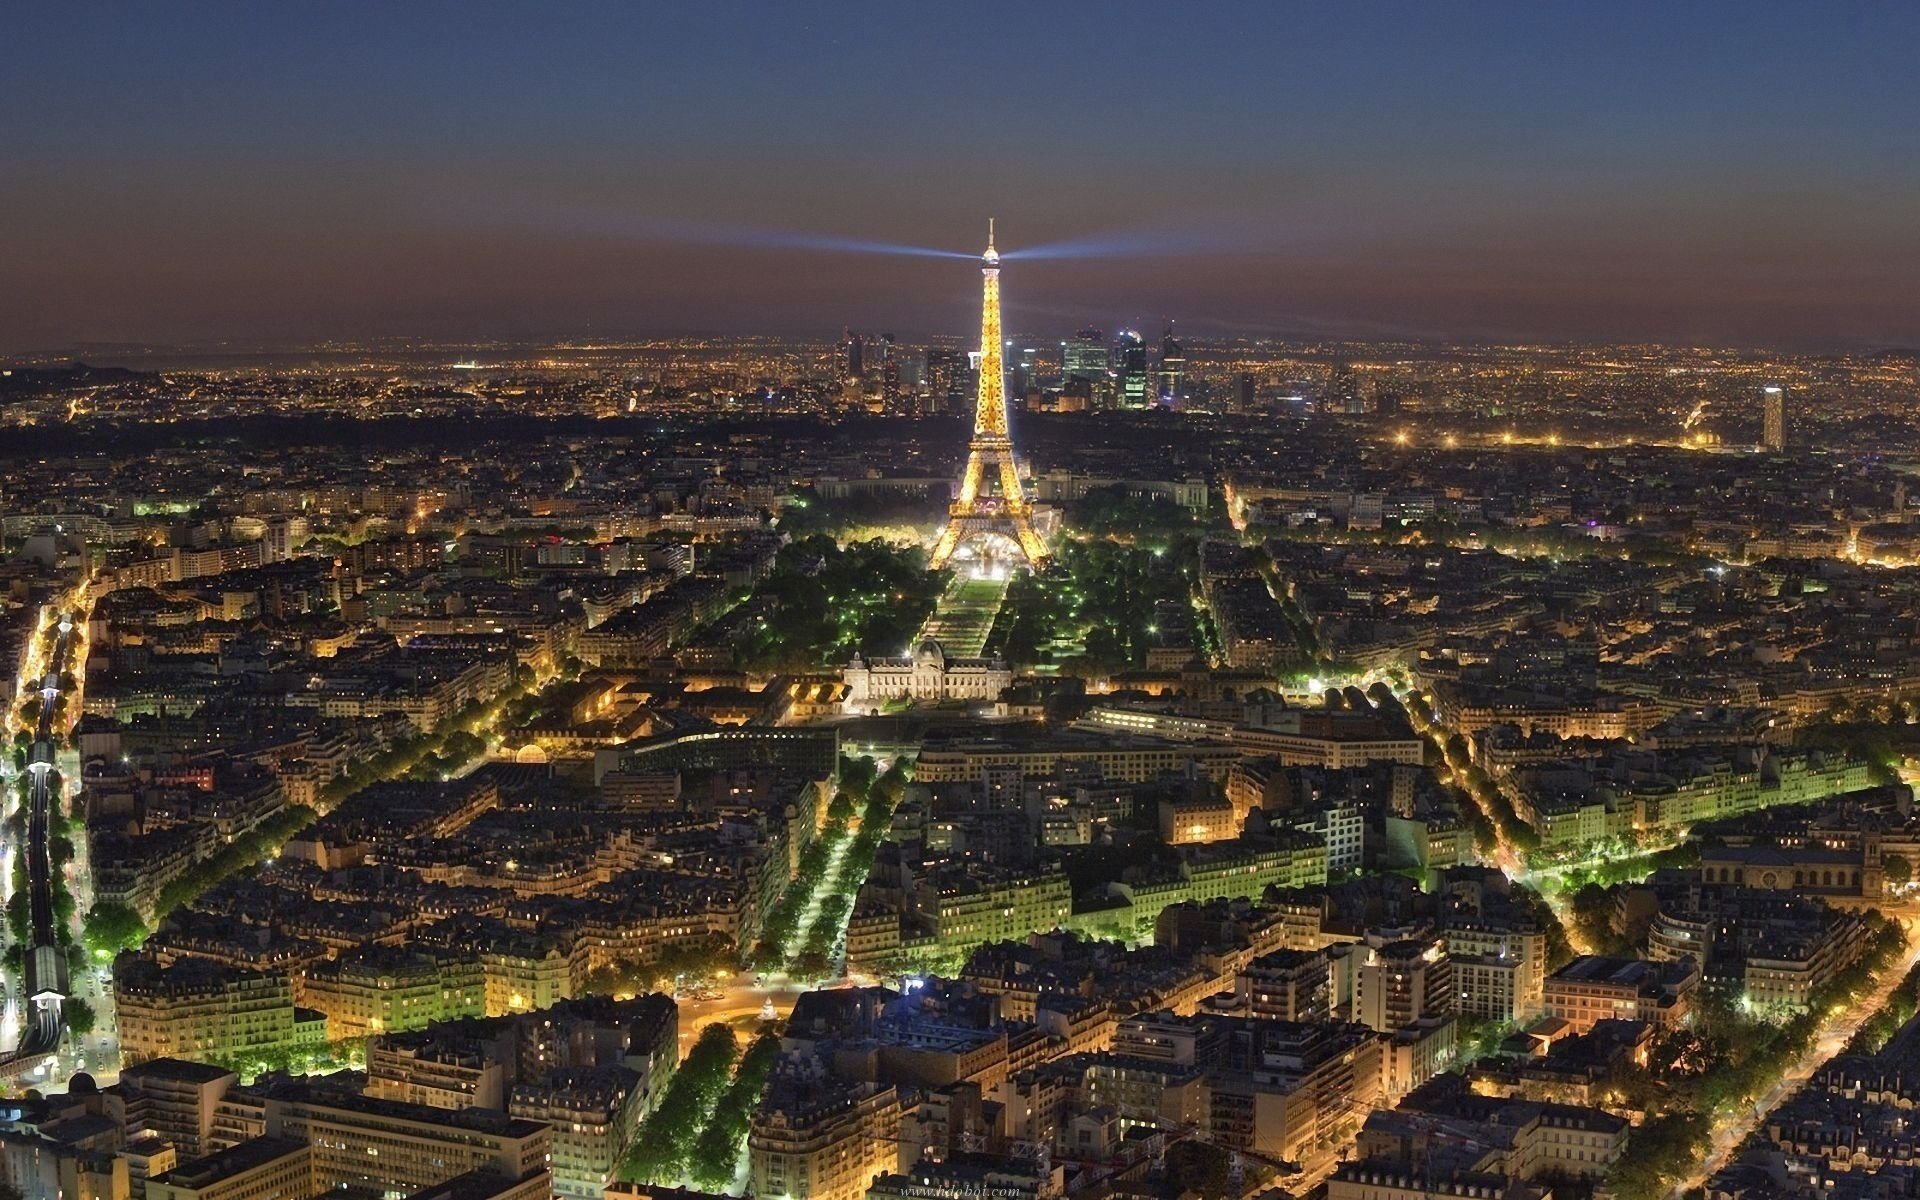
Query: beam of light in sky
x=644 y=227
x=1133 y=243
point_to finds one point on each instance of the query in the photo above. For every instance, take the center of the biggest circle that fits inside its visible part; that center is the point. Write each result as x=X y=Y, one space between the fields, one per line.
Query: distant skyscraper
x=856 y=355
x=1775 y=433
x=1084 y=356
x=1173 y=367
x=1246 y=393
x=1130 y=359
x=1343 y=390
x=1023 y=370
x=948 y=377
x=889 y=374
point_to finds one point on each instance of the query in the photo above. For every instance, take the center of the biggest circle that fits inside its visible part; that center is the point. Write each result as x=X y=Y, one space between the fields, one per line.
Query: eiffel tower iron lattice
x=977 y=513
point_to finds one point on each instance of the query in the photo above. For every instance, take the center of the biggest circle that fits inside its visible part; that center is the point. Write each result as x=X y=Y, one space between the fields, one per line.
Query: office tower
x=889 y=374
x=1024 y=370
x=948 y=375
x=1173 y=367
x=1246 y=393
x=855 y=350
x=1343 y=390
x=1774 y=436
x=1130 y=359
x=1084 y=356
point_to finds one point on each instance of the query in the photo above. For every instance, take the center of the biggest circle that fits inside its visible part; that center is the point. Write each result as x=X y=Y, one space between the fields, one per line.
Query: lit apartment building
x=422 y=1068
x=520 y=976
x=200 y=1010
x=1342 y=829
x=1116 y=760
x=382 y=989
x=176 y=1100
x=1596 y=987
x=37 y=1166
x=593 y=1112
x=823 y=1139
x=968 y=907
x=1331 y=743
x=1293 y=985
x=590 y=1068
x=1373 y=1180
x=1191 y=819
x=1500 y=967
x=1401 y=983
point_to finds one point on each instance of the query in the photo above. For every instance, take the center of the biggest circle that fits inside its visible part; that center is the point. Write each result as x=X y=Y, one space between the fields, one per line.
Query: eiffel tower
x=980 y=516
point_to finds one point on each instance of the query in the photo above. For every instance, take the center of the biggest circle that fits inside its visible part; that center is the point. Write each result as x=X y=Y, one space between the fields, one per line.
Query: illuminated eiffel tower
x=991 y=521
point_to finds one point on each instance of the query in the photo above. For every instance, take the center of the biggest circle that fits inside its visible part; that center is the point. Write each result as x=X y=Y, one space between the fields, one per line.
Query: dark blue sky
x=1685 y=172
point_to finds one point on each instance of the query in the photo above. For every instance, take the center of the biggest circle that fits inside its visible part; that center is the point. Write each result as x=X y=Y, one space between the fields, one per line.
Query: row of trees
x=1105 y=596
x=1589 y=911
x=1116 y=513
x=112 y=927
x=1718 y=1067
x=782 y=926
x=1485 y=839
x=1878 y=1029
x=433 y=753
x=665 y=1140
x=262 y=840
x=344 y=1055
x=873 y=796
x=1626 y=859
x=716 y=1152
x=1531 y=541
x=823 y=601
x=809 y=514
x=700 y=958
x=60 y=851
x=1488 y=796
x=878 y=796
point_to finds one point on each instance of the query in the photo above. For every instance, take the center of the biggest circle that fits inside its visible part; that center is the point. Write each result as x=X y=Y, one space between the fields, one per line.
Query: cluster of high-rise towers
x=1089 y=371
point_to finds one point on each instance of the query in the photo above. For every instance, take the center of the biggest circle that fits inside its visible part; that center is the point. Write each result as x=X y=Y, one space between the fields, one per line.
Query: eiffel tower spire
x=976 y=513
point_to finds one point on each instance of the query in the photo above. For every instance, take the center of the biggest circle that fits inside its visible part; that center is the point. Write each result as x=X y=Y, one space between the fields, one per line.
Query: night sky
x=1739 y=173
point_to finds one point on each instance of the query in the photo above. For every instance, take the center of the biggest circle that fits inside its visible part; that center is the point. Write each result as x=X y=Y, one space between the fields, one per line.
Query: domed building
x=927 y=675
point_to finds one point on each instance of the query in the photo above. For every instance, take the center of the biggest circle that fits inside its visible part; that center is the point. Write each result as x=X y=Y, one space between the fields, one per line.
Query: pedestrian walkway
x=965 y=614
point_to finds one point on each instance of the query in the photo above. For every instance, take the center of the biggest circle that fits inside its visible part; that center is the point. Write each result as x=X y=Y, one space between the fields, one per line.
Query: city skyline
x=561 y=644
x=1707 y=176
